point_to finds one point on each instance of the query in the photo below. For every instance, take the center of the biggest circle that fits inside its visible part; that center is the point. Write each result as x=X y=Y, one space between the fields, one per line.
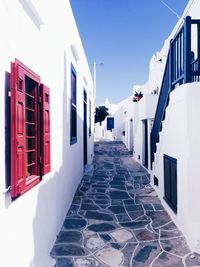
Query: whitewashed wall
x=41 y=35
x=120 y=122
x=180 y=139
x=123 y=118
x=143 y=110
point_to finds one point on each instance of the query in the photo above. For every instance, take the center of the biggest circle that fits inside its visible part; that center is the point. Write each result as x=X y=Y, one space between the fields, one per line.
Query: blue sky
x=123 y=34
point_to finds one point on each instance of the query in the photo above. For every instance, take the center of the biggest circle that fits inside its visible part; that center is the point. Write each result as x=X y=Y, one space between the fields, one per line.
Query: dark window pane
x=90 y=123
x=73 y=89
x=73 y=131
x=170 y=181
x=73 y=122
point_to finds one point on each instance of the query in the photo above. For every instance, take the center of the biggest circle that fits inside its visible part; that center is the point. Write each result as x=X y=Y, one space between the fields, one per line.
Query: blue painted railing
x=195 y=74
x=182 y=66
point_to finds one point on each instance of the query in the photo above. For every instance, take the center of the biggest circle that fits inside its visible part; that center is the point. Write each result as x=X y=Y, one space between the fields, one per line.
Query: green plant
x=101 y=113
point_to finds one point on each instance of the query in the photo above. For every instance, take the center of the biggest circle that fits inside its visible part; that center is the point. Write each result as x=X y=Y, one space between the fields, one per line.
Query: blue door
x=110 y=123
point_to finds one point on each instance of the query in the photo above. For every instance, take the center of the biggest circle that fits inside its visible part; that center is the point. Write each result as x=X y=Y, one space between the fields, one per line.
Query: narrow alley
x=116 y=219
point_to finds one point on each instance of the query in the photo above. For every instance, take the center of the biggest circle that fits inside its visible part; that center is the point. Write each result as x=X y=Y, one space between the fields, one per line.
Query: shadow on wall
x=50 y=200
x=7 y=130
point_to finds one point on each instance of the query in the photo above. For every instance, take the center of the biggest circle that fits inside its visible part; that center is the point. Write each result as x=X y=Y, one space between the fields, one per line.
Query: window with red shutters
x=27 y=136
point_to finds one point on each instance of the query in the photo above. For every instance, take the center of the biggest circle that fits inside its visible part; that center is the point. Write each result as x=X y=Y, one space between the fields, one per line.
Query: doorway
x=131 y=136
x=146 y=144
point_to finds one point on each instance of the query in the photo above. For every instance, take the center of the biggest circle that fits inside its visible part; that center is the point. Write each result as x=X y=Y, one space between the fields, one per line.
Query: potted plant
x=137 y=96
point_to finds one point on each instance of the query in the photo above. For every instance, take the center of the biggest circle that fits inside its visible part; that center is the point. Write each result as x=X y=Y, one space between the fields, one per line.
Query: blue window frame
x=90 y=119
x=73 y=119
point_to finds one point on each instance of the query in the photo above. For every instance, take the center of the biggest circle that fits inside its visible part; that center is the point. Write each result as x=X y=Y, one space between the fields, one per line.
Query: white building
x=166 y=125
x=129 y=119
x=50 y=91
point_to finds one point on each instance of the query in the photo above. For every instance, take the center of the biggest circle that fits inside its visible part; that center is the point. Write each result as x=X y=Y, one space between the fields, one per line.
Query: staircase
x=182 y=66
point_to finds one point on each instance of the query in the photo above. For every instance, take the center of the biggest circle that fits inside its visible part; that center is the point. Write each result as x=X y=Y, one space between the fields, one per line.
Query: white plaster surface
x=179 y=139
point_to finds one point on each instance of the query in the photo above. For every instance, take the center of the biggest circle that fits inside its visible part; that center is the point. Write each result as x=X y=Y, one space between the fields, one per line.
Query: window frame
x=90 y=118
x=73 y=106
x=26 y=123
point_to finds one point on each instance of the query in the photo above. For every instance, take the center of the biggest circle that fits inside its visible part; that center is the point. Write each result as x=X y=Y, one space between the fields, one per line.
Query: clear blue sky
x=123 y=34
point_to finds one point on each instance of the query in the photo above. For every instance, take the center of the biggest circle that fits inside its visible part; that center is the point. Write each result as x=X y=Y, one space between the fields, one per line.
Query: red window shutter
x=45 y=127
x=18 y=140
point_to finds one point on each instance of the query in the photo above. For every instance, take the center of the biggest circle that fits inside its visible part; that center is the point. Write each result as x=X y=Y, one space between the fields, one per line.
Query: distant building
x=106 y=129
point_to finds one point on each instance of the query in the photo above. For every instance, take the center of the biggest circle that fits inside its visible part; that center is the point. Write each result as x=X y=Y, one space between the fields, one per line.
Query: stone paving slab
x=117 y=220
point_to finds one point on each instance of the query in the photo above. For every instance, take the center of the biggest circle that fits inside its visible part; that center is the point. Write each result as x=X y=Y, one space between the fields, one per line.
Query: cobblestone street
x=116 y=219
